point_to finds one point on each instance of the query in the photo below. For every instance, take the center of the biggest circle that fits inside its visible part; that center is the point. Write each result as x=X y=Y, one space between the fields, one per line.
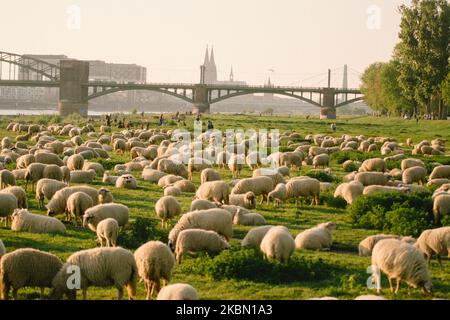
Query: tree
x=446 y=91
x=371 y=88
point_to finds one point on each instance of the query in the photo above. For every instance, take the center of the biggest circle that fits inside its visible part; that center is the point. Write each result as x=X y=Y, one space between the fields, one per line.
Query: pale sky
x=299 y=39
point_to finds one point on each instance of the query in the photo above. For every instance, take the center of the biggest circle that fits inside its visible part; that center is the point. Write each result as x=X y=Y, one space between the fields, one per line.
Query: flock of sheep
x=50 y=167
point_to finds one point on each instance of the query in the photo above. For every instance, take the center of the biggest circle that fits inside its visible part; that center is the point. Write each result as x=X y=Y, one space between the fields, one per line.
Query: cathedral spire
x=211 y=58
x=231 y=74
x=206 y=62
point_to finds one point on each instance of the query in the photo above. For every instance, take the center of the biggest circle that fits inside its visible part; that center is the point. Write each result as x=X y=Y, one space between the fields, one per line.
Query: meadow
x=339 y=272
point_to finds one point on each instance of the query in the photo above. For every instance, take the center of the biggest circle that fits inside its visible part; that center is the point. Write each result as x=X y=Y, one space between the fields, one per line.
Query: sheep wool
x=254 y=237
x=202 y=205
x=25 y=221
x=46 y=189
x=8 y=203
x=178 y=291
x=317 y=238
x=248 y=219
x=441 y=206
x=434 y=242
x=278 y=244
x=2 y=249
x=20 y=194
x=247 y=200
x=167 y=208
x=217 y=191
x=57 y=204
x=77 y=204
x=94 y=215
x=126 y=181
x=107 y=232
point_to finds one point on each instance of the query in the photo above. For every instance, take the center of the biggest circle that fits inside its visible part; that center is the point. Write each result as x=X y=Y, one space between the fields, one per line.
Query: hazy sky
x=299 y=39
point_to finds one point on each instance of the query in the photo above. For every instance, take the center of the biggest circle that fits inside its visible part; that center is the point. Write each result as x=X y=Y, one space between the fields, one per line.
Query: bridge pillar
x=328 y=110
x=201 y=102
x=72 y=95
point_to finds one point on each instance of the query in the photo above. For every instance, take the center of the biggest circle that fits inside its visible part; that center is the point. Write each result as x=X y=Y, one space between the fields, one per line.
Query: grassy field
x=347 y=271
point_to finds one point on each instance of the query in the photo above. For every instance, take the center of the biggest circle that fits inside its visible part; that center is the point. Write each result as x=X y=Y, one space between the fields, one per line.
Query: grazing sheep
x=94 y=215
x=52 y=171
x=247 y=200
x=271 y=173
x=373 y=165
x=431 y=182
x=48 y=158
x=105 y=196
x=34 y=173
x=101 y=267
x=77 y=204
x=8 y=203
x=108 y=178
x=441 y=207
x=292 y=159
x=306 y=187
x=411 y=162
x=414 y=174
x=279 y=194
x=20 y=194
x=172 y=191
x=258 y=185
x=321 y=160
x=349 y=191
x=107 y=232
x=99 y=170
x=155 y=262
x=168 y=179
x=317 y=238
x=178 y=291
x=75 y=162
x=194 y=240
x=65 y=174
x=6 y=179
x=254 y=237
x=25 y=221
x=371 y=178
x=167 y=208
x=401 y=261
x=46 y=189
x=202 y=205
x=19 y=174
x=80 y=176
x=152 y=175
x=248 y=219
x=27 y=268
x=376 y=189
x=209 y=174
x=434 y=242
x=217 y=219
x=440 y=172
x=197 y=164
x=185 y=186
x=126 y=181
x=57 y=204
x=278 y=244
x=365 y=247
x=24 y=161
x=217 y=191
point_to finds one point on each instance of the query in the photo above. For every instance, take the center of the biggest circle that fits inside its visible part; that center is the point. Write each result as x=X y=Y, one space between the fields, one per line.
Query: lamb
x=278 y=244
x=373 y=165
x=126 y=181
x=440 y=172
x=254 y=237
x=155 y=262
x=178 y=291
x=108 y=178
x=46 y=188
x=209 y=174
x=259 y=186
x=52 y=171
x=20 y=194
x=80 y=176
x=414 y=174
x=101 y=267
x=218 y=220
x=321 y=160
x=202 y=205
x=27 y=268
x=247 y=200
x=307 y=187
x=441 y=206
x=411 y=162
x=107 y=232
x=279 y=194
x=167 y=208
x=248 y=219
x=317 y=238
x=193 y=240
x=105 y=196
x=371 y=178
x=401 y=261
x=75 y=162
x=77 y=204
x=6 y=179
x=8 y=203
x=57 y=204
x=217 y=191
x=25 y=221
x=365 y=247
x=94 y=215
x=434 y=242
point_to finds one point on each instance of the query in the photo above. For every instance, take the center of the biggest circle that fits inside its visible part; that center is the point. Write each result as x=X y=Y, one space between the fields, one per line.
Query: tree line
x=416 y=81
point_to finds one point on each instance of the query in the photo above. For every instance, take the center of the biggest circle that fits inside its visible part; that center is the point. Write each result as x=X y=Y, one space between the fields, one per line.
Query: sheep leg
x=42 y=293
x=390 y=284
x=398 y=286
x=15 y=293
x=147 y=286
x=5 y=291
x=440 y=261
x=84 y=290
x=157 y=287
x=119 y=293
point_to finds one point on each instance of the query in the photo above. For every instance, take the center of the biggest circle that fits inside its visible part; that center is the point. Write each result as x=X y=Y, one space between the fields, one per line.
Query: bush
x=321 y=176
x=392 y=164
x=341 y=156
x=330 y=201
x=445 y=221
x=109 y=164
x=351 y=167
x=407 y=221
x=140 y=231
x=249 y=264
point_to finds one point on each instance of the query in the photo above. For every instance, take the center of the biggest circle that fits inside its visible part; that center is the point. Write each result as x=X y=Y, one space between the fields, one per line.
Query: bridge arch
x=344 y=103
x=43 y=68
x=113 y=90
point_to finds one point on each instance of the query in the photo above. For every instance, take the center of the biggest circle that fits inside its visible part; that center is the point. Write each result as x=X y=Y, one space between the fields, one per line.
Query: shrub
x=445 y=221
x=109 y=164
x=140 y=231
x=407 y=221
x=392 y=164
x=351 y=167
x=330 y=201
x=341 y=156
x=321 y=176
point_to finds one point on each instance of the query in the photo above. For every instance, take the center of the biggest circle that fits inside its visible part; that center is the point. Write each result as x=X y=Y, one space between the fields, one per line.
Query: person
x=210 y=125
x=333 y=127
x=161 y=120
x=142 y=114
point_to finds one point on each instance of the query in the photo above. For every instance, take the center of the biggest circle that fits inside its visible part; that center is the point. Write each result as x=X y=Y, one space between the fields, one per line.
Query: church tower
x=231 y=75
x=210 y=67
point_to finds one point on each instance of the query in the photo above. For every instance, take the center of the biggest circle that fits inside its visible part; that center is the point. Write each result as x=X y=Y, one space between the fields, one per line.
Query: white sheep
x=20 y=194
x=209 y=174
x=217 y=191
x=8 y=203
x=178 y=291
x=304 y=187
x=80 y=176
x=278 y=244
x=317 y=238
x=434 y=242
x=441 y=206
x=108 y=178
x=254 y=236
x=57 y=204
x=107 y=232
x=259 y=186
x=411 y=162
x=23 y=220
x=248 y=219
x=152 y=175
x=126 y=181
x=440 y=172
x=167 y=208
x=414 y=174
x=371 y=178
x=76 y=206
x=94 y=215
x=46 y=189
x=202 y=205
x=279 y=194
x=105 y=196
x=247 y=200
x=365 y=247
x=373 y=165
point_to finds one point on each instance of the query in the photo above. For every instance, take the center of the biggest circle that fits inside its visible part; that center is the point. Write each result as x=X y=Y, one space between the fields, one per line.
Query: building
x=124 y=73
x=210 y=66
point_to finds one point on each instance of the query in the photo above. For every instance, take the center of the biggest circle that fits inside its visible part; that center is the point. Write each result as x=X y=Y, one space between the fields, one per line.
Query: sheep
x=105 y=196
x=317 y=238
x=107 y=232
x=401 y=261
x=178 y=291
x=371 y=178
x=441 y=207
x=414 y=174
x=99 y=170
x=197 y=164
x=209 y=174
x=2 y=249
x=365 y=247
x=95 y=214
x=77 y=204
x=194 y=240
x=75 y=162
x=278 y=244
x=185 y=186
x=167 y=208
x=57 y=204
x=65 y=174
x=6 y=179
x=375 y=189
x=27 y=268
x=19 y=174
x=168 y=179
x=52 y=171
x=80 y=176
x=279 y=194
x=46 y=188
x=25 y=221
x=8 y=203
x=373 y=165
x=202 y=205
x=431 y=182
x=101 y=267
x=248 y=219
x=247 y=200
x=217 y=219
x=411 y=162
x=20 y=194
x=254 y=237
x=321 y=160
x=258 y=185
x=48 y=158
x=109 y=179
x=172 y=191
x=34 y=173
x=271 y=173
x=434 y=242
x=126 y=181
x=217 y=191
x=349 y=191
x=152 y=175
x=155 y=262
x=440 y=172
x=304 y=188
x=24 y=161
x=292 y=159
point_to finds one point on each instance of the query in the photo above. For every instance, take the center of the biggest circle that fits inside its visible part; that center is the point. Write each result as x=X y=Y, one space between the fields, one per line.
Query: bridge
x=75 y=89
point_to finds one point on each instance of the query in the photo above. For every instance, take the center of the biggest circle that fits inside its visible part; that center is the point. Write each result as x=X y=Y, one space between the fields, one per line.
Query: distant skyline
x=292 y=41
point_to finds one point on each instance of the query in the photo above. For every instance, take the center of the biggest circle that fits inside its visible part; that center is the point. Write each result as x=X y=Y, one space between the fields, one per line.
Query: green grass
x=348 y=277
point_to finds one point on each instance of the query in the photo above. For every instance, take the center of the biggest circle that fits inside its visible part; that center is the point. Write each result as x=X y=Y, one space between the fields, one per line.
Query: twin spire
x=209 y=59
